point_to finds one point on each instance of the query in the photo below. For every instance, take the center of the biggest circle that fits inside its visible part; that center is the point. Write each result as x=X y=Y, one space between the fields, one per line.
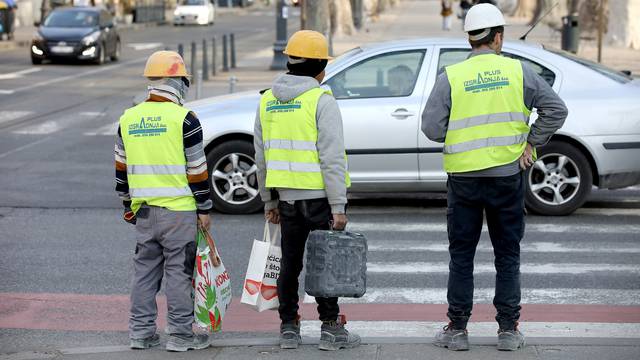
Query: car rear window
x=599 y=68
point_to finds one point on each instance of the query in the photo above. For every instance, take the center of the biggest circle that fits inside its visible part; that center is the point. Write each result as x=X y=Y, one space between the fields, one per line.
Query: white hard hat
x=483 y=16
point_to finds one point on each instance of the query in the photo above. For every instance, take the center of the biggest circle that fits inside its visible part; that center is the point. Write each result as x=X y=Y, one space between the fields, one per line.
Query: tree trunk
x=341 y=17
x=317 y=15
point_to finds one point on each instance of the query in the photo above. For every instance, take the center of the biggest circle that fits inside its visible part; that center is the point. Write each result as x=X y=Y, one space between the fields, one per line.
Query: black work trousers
x=297 y=220
x=502 y=199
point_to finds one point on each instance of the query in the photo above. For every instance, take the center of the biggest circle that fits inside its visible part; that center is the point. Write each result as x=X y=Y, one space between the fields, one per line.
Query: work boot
x=185 y=343
x=290 y=334
x=333 y=335
x=145 y=343
x=452 y=339
x=510 y=340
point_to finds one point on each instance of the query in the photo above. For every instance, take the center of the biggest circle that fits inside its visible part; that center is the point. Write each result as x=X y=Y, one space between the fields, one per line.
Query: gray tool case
x=336 y=264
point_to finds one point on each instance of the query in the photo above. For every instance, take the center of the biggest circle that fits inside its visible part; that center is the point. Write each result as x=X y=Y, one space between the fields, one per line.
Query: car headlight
x=91 y=38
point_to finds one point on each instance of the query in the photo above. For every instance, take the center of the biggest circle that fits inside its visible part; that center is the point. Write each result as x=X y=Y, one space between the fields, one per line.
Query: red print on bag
x=252 y=286
x=269 y=291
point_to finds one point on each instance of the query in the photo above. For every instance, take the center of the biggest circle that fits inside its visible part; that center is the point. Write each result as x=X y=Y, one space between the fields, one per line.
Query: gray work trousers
x=166 y=245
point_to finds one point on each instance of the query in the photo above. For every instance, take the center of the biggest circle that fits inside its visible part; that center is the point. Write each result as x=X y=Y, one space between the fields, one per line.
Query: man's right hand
x=129 y=216
x=204 y=220
x=339 y=221
x=273 y=216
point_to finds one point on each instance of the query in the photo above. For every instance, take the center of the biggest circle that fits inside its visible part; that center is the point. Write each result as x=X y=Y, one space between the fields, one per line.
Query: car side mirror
x=626 y=72
x=36 y=23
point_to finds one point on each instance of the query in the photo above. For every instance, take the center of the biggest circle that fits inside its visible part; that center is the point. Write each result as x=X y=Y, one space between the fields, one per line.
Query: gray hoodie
x=330 y=147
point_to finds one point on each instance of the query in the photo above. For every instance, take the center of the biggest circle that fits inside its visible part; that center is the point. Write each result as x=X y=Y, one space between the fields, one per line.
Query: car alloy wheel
x=560 y=180
x=234 y=177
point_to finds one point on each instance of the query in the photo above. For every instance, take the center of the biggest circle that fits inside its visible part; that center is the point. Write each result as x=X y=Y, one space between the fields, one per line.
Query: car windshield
x=606 y=71
x=72 y=19
x=194 y=2
x=342 y=58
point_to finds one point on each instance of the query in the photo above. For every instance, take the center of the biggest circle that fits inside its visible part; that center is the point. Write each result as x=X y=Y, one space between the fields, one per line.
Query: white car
x=195 y=12
x=599 y=143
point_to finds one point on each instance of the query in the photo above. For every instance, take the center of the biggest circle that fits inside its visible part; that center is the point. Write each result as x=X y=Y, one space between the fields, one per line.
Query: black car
x=83 y=33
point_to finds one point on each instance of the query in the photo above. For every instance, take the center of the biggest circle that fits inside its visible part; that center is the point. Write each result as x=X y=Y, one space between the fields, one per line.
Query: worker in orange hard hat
x=303 y=178
x=162 y=178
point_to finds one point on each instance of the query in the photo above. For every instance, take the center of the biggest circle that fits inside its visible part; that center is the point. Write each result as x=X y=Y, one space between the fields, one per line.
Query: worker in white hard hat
x=480 y=109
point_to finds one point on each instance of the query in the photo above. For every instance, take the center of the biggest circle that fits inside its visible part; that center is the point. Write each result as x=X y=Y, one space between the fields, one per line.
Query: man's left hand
x=526 y=160
x=129 y=216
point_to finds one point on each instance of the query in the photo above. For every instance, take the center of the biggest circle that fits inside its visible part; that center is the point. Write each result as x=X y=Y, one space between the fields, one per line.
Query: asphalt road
x=60 y=227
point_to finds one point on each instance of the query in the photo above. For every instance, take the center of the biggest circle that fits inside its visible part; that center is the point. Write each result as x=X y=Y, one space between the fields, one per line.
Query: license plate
x=62 y=49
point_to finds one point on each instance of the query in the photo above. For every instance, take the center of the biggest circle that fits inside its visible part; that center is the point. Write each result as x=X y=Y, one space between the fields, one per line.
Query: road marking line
x=482 y=329
x=44 y=128
x=391 y=295
x=529 y=247
x=77 y=75
x=106 y=130
x=8 y=115
x=24 y=147
x=489 y=268
x=545 y=228
x=6 y=92
x=18 y=74
x=93 y=113
x=144 y=46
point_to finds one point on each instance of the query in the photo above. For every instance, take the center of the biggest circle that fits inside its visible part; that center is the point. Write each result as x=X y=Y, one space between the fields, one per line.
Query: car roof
x=451 y=41
x=79 y=8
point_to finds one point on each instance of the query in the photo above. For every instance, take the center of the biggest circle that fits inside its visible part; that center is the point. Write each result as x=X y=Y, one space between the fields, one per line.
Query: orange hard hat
x=165 y=64
x=308 y=44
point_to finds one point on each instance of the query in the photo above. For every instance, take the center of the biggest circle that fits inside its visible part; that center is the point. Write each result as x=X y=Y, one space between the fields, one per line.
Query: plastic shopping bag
x=260 y=289
x=211 y=283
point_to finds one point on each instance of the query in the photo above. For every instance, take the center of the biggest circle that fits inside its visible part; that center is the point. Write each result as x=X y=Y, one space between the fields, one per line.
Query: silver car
x=382 y=89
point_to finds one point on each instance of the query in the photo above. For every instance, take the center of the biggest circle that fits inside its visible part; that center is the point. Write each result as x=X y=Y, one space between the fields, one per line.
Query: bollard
x=198 y=84
x=225 y=57
x=193 y=57
x=232 y=84
x=232 y=43
x=181 y=50
x=205 y=61
x=214 y=52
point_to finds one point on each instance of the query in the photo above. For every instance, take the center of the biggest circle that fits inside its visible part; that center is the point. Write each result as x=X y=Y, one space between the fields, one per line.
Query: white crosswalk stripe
x=368 y=227
x=529 y=247
x=8 y=115
x=105 y=130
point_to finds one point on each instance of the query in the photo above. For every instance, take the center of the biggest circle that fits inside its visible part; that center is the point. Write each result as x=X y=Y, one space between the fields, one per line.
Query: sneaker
x=145 y=343
x=452 y=339
x=182 y=343
x=334 y=336
x=510 y=340
x=290 y=334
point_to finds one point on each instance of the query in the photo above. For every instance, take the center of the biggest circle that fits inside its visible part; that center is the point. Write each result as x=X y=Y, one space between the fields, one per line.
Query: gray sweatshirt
x=330 y=147
x=537 y=94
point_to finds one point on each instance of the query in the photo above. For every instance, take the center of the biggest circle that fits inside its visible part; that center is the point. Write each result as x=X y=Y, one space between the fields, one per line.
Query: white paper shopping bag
x=260 y=289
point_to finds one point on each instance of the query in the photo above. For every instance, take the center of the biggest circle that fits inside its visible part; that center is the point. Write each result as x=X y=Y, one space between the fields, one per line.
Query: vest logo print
x=277 y=106
x=486 y=81
x=148 y=126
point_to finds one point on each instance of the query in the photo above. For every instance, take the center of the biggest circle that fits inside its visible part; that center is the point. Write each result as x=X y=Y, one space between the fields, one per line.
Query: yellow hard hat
x=165 y=64
x=308 y=44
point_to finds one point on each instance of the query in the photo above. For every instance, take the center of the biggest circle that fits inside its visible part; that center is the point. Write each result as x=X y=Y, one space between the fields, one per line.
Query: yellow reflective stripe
x=156 y=169
x=160 y=192
x=487 y=119
x=293 y=166
x=485 y=143
x=285 y=144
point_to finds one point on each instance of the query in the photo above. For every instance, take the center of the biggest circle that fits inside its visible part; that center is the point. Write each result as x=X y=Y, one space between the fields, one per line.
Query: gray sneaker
x=452 y=339
x=181 y=343
x=145 y=343
x=510 y=340
x=290 y=335
x=333 y=336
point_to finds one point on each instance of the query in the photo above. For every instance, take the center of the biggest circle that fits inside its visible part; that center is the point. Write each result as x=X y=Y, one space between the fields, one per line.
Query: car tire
x=116 y=51
x=559 y=181
x=229 y=183
x=36 y=61
x=101 y=55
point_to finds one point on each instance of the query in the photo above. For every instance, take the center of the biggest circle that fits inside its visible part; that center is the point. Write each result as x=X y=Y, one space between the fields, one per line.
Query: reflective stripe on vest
x=289 y=134
x=488 y=124
x=156 y=163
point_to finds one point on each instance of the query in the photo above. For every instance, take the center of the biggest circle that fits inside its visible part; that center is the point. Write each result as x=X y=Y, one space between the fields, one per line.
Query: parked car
x=82 y=33
x=599 y=143
x=195 y=12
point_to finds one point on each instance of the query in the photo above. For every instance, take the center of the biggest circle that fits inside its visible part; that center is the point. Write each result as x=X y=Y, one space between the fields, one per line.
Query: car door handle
x=402 y=114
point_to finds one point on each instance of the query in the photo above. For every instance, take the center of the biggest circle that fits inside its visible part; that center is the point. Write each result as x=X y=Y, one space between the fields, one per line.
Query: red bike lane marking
x=79 y=312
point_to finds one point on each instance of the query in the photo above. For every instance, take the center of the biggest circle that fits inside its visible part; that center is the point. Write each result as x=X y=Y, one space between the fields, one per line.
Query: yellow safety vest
x=488 y=124
x=289 y=135
x=156 y=164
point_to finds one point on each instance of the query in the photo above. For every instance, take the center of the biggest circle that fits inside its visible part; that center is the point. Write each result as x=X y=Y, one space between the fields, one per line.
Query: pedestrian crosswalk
x=570 y=262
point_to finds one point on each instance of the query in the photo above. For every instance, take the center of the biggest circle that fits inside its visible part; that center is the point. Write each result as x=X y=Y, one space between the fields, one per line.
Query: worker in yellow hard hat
x=302 y=175
x=162 y=178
